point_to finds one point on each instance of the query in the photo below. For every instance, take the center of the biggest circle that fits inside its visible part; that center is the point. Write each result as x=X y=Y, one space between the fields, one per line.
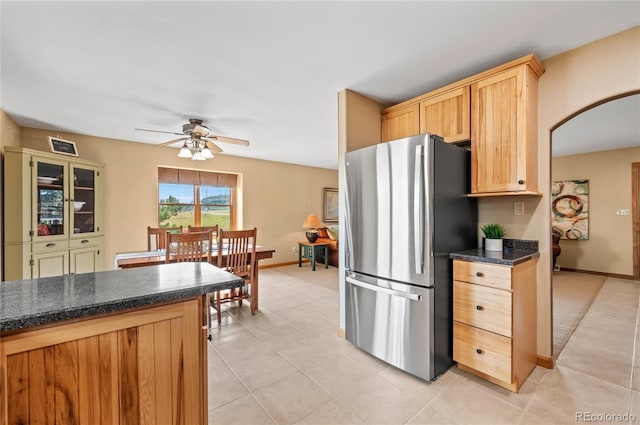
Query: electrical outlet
x=518 y=208
x=294 y=248
x=622 y=212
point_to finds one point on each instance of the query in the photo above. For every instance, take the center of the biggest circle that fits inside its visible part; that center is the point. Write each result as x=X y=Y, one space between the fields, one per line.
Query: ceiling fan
x=198 y=142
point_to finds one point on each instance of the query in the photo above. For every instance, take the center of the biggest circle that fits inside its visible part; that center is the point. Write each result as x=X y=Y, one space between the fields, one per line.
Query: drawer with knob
x=483 y=307
x=483 y=351
x=50 y=246
x=494 y=275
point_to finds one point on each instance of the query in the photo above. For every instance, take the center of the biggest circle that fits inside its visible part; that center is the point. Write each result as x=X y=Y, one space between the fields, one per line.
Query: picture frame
x=330 y=205
x=62 y=146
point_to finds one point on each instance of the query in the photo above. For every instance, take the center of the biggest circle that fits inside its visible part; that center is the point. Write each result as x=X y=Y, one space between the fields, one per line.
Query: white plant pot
x=493 y=244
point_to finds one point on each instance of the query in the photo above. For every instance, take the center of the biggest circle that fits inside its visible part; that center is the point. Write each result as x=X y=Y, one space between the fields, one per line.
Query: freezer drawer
x=392 y=321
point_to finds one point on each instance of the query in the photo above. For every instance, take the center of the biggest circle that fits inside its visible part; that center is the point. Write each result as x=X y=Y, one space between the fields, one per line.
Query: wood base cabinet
x=138 y=367
x=494 y=328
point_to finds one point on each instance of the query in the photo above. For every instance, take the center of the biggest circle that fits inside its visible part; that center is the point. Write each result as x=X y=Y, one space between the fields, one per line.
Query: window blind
x=194 y=177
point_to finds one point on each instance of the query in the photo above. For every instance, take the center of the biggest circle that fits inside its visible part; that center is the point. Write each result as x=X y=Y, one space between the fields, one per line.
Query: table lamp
x=312 y=222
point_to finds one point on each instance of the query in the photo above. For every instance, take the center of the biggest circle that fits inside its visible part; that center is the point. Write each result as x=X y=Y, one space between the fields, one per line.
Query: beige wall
x=610 y=245
x=572 y=81
x=358 y=126
x=9 y=136
x=276 y=197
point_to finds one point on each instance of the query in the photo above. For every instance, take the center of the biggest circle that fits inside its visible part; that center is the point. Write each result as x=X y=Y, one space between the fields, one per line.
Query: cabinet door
x=50 y=196
x=85 y=260
x=49 y=264
x=401 y=123
x=85 y=202
x=498 y=142
x=447 y=115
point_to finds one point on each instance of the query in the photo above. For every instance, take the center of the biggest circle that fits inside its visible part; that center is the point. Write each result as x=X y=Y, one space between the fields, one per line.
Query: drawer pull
x=478 y=350
x=51 y=245
x=84 y=241
x=520 y=181
x=479 y=274
x=479 y=307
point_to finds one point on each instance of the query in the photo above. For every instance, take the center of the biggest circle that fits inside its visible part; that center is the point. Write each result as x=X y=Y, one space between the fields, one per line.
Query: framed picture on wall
x=330 y=210
x=65 y=147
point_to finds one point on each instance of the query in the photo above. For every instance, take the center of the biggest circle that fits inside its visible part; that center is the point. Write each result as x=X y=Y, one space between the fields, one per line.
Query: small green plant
x=493 y=231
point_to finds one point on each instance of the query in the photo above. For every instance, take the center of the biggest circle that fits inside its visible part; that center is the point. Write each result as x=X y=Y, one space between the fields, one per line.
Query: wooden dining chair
x=193 y=247
x=236 y=254
x=213 y=229
x=157 y=236
x=193 y=229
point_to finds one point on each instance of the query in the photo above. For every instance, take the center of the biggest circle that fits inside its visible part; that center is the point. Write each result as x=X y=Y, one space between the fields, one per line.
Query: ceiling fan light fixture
x=206 y=153
x=185 y=152
x=198 y=156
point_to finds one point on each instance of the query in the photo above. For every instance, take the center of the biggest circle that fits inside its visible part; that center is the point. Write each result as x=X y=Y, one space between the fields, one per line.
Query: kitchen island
x=122 y=346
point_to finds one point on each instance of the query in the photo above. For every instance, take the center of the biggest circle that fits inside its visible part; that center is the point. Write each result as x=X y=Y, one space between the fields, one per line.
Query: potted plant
x=493 y=234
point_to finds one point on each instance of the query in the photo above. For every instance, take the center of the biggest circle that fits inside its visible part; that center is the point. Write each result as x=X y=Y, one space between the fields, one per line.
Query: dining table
x=126 y=260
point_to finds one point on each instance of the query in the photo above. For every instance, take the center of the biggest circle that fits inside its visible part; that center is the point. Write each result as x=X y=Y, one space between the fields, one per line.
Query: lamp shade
x=312 y=221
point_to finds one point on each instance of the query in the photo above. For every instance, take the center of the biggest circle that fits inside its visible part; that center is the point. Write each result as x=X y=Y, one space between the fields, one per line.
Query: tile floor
x=285 y=365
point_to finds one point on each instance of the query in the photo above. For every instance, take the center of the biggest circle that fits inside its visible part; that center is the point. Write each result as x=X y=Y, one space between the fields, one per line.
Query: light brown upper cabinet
x=504 y=149
x=497 y=110
x=447 y=115
x=399 y=123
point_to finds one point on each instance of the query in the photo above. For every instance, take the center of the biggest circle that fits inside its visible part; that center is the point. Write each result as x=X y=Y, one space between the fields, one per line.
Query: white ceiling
x=612 y=125
x=264 y=71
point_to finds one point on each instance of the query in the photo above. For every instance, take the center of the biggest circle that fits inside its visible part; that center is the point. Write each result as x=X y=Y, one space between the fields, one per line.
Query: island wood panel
x=143 y=374
x=401 y=123
x=447 y=115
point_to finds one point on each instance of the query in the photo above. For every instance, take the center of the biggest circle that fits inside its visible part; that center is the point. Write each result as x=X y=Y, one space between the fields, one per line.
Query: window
x=196 y=198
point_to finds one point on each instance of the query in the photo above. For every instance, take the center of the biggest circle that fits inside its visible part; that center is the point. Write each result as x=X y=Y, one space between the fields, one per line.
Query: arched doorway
x=582 y=145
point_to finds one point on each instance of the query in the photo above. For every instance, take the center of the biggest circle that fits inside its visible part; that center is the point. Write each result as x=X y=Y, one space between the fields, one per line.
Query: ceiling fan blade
x=212 y=146
x=159 y=131
x=201 y=130
x=171 y=142
x=231 y=140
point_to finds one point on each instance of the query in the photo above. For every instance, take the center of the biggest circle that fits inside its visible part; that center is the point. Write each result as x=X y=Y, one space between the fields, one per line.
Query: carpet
x=573 y=294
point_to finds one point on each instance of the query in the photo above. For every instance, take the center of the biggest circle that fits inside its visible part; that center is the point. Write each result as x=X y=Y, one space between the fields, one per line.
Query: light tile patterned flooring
x=285 y=365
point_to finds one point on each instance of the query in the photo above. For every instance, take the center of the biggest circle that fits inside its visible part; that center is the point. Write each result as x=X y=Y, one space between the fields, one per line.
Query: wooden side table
x=310 y=250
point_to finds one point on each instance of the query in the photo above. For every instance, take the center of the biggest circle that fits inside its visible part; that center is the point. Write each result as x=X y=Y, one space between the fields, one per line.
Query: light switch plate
x=622 y=212
x=518 y=208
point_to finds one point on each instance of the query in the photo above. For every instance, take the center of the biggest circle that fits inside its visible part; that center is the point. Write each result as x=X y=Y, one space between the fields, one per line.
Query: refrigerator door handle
x=417 y=211
x=375 y=288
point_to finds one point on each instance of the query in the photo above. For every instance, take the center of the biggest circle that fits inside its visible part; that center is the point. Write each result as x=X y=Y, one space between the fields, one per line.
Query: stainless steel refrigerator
x=407 y=209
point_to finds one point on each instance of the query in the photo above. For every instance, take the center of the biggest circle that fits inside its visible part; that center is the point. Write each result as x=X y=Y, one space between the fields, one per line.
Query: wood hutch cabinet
x=53 y=218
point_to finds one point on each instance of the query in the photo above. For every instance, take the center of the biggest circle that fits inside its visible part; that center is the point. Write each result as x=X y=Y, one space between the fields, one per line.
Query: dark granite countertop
x=515 y=251
x=27 y=303
x=508 y=258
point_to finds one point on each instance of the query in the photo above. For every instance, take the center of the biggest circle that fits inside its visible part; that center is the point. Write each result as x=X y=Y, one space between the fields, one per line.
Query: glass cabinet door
x=83 y=200
x=50 y=197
